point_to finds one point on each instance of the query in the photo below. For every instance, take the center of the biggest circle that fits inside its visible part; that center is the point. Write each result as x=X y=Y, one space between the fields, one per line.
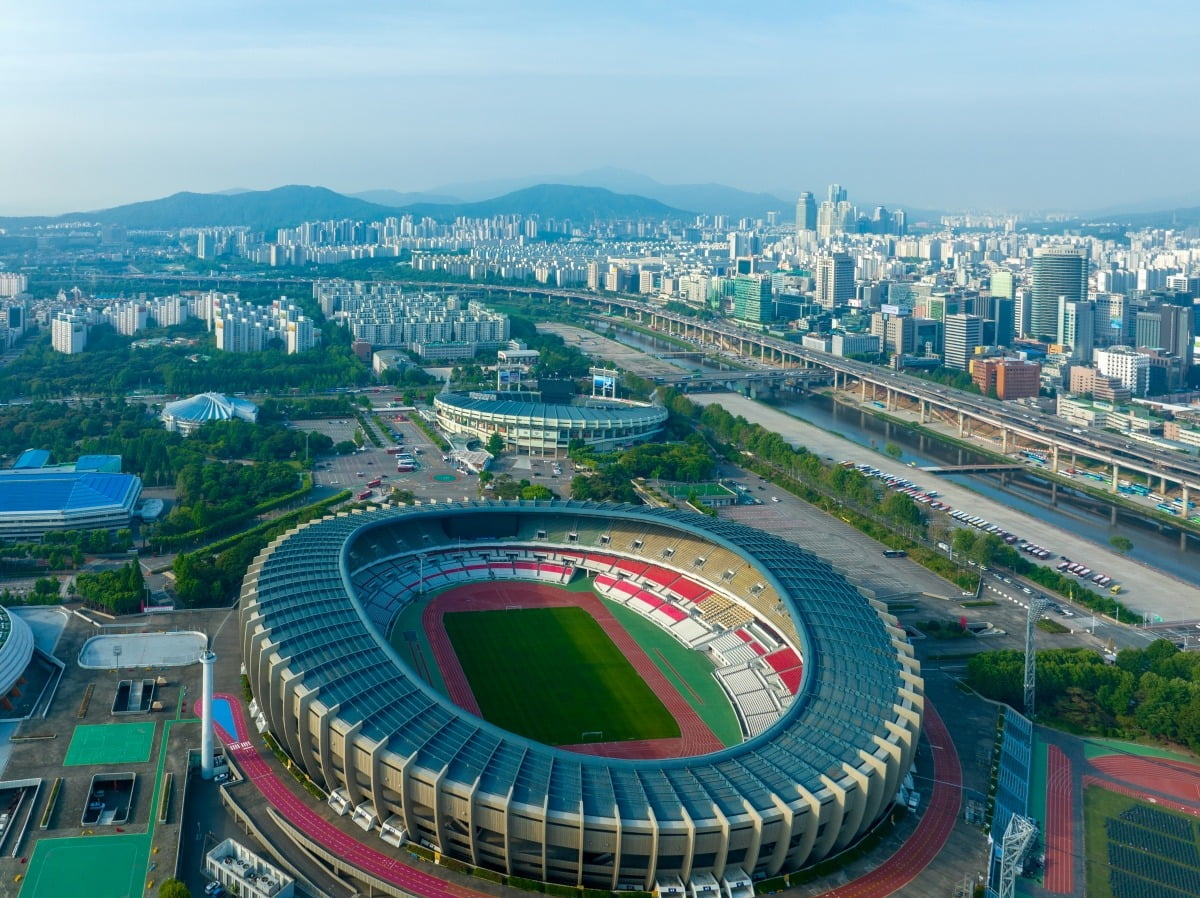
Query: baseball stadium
x=600 y=695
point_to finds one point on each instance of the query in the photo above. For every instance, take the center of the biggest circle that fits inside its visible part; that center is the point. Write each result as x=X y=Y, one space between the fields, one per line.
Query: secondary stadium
x=487 y=747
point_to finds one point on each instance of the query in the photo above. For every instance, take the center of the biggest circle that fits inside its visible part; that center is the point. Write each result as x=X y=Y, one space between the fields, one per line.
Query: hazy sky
x=1009 y=104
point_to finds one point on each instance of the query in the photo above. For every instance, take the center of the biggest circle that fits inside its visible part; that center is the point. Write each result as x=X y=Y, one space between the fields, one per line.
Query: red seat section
x=661 y=576
x=693 y=592
x=784 y=659
x=791 y=679
x=672 y=612
x=634 y=568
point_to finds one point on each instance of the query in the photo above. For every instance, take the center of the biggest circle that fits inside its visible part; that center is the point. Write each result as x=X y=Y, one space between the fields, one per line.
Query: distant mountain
x=398 y=198
x=710 y=199
x=289 y=206
x=580 y=204
x=257 y=209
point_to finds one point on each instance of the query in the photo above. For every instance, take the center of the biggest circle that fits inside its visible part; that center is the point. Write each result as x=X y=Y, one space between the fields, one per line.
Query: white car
x=774 y=498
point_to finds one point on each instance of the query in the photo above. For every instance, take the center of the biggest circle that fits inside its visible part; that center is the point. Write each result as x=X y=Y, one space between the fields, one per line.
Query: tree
x=173 y=888
x=893 y=450
x=495 y=444
x=1122 y=544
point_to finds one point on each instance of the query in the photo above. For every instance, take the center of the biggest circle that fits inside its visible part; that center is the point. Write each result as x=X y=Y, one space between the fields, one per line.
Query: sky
x=1003 y=105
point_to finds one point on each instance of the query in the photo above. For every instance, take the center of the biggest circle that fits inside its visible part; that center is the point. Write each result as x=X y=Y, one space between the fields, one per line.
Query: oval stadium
x=609 y=696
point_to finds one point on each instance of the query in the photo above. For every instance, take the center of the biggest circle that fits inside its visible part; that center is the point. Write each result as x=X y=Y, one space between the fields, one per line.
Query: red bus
x=394 y=450
x=378 y=481
x=365 y=494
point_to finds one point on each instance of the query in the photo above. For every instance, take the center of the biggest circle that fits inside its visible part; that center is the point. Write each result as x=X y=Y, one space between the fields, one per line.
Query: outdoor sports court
x=142 y=650
x=110 y=743
x=111 y=867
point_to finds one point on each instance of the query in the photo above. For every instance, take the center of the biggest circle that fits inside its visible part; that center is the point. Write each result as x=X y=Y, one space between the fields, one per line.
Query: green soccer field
x=553 y=675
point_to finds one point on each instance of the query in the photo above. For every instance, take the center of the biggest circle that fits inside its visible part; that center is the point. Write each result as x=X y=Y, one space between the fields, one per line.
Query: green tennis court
x=111 y=867
x=110 y=743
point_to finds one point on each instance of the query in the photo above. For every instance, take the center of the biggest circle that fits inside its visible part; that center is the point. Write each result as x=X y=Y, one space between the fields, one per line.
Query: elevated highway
x=1015 y=425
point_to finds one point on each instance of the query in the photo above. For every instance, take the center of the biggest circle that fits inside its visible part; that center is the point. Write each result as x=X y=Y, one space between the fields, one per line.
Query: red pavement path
x=695 y=737
x=933 y=830
x=316 y=827
x=896 y=872
x=1060 y=824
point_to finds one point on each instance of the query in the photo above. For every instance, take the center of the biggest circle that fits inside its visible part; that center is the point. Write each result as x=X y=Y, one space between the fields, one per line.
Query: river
x=1079 y=514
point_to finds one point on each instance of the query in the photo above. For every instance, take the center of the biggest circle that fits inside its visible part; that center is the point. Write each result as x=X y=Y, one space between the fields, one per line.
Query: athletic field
x=553 y=675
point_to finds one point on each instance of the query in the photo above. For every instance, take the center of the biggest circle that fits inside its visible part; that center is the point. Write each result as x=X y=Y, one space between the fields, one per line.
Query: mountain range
x=292 y=205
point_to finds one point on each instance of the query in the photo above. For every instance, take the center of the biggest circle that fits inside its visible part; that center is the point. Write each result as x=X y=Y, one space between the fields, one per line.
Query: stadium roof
x=854 y=676
x=63 y=490
x=595 y=413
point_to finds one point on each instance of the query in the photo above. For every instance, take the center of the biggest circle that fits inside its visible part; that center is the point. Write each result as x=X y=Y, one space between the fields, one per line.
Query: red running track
x=933 y=830
x=695 y=737
x=896 y=872
x=1060 y=824
x=1140 y=794
x=1177 y=779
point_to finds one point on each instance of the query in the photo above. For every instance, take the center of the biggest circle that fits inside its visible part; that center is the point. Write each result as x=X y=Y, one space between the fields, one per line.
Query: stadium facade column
x=382 y=805
x=652 y=869
x=855 y=801
x=879 y=775
x=290 y=680
x=350 y=768
x=836 y=810
x=786 y=820
x=440 y=812
x=304 y=730
x=690 y=851
x=324 y=737
x=755 y=846
x=809 y=821
x=892 y=765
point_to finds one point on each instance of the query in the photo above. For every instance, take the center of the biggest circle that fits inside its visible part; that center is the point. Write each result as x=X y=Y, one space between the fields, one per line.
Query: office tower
x=1058 y=271
x=806 y=213
x=897 y=333
x=1077 y=328
x=1112 y=319
x=834 y=280
x=963 y=333
x=1002 y=283
x=752 y=298
x=1003 y=313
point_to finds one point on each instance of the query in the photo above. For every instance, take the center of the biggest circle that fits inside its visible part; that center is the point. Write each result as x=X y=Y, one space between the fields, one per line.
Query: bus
x=394 y=450
x=365 y=494
x=378 y=481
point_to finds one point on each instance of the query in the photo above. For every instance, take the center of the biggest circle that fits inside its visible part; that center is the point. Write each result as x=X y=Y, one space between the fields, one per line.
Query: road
x=1147 y=590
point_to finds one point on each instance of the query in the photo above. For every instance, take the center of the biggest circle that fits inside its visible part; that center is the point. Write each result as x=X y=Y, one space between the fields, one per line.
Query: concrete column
x=1112 y=486
x=961 y=421
x=207 y=661
x=1054 y=458
x=862 y=390
x=1004 y=440
x=1053 y=493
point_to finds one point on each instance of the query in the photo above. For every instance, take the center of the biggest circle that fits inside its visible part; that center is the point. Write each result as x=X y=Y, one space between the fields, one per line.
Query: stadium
x=545 y=429
x=632 y=784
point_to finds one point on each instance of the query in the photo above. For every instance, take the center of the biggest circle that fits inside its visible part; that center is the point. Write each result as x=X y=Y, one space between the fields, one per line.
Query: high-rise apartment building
x=961 y=336
x=834 y=280
x=68 y=333
x=1058 y=272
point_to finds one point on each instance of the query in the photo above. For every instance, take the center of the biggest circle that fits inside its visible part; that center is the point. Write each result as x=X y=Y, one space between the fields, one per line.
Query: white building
x=1127 y=365
x=12 y=284
x=68 y=333
x=244 y=873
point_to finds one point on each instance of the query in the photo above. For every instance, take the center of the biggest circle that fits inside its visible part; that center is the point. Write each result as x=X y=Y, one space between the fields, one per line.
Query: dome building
x=186 y=416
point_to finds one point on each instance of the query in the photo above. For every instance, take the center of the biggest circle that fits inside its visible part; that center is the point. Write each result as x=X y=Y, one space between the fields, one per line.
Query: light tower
x=1037 y=606
x=207 y=660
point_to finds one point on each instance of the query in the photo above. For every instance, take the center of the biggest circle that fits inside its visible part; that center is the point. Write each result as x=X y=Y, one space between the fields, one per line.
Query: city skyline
x=924 y=104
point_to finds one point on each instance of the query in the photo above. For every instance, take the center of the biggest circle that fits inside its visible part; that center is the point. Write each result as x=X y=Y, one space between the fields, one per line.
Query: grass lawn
x=553 y=675
x=690 y=672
